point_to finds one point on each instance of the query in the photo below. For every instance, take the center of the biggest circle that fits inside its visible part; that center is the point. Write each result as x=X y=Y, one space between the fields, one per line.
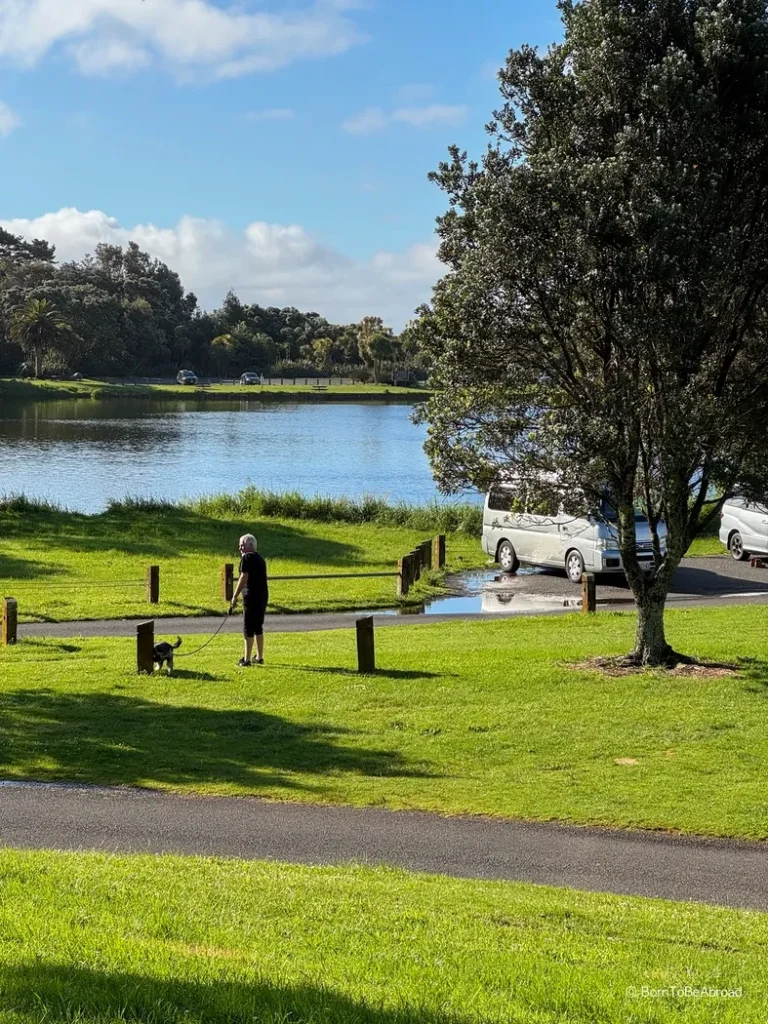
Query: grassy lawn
x=52 y=389
x=96 y=939
x=481 y=718
x=56 y=563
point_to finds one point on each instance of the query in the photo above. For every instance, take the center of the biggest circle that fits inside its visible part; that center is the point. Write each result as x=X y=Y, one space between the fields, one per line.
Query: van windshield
x=607 y=512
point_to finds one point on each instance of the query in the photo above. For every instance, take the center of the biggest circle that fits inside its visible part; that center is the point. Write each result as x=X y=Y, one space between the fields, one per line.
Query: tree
x=603 y=316
x=375 y=343
x=38 y=326
x=322 y=350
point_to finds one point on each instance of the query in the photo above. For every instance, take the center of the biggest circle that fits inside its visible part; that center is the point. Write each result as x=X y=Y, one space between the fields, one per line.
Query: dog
x=163 y=654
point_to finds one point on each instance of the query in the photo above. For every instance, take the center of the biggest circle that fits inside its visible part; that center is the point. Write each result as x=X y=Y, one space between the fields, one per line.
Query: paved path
x=208 y=625
x=600 y=860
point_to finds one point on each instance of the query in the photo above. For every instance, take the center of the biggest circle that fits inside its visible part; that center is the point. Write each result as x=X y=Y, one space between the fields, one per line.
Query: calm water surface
x=81 y=454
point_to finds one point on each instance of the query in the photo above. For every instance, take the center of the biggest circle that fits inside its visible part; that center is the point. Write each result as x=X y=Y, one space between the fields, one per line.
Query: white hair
x=249 y=542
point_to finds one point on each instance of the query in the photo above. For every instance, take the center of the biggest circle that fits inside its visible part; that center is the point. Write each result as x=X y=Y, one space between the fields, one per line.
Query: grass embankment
x=64 y=565
x=44 y=390
x=97 y=939
x=484 y=718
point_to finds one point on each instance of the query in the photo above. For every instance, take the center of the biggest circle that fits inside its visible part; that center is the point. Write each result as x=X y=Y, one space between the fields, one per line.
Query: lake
x=80 y=454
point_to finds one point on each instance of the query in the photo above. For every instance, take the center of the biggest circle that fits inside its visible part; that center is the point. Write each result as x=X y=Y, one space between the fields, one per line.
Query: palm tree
x=37 y=326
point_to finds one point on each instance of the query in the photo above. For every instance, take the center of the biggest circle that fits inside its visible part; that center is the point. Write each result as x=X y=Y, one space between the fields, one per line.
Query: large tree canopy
x=603 y=317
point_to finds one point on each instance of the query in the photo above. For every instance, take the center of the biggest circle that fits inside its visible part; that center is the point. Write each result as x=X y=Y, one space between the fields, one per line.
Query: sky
x=278 y=148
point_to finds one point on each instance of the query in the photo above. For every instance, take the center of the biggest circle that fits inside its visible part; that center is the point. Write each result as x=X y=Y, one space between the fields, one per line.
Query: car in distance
x=744 y=528
x=186 y=377
x=518 y=531
x=250 y=378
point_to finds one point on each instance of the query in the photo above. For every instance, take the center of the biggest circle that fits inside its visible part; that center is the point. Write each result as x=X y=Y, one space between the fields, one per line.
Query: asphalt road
x=702 y=577
x=34 y=816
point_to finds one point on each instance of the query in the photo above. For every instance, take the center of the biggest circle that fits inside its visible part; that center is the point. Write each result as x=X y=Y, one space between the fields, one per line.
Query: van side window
x=501 y=499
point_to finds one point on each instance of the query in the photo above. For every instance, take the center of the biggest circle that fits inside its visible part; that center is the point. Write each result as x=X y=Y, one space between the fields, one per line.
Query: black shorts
x=253 y=619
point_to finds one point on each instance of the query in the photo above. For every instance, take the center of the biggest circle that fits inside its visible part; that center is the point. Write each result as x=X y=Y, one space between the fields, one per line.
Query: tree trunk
x=651 y=647
x=38 y=349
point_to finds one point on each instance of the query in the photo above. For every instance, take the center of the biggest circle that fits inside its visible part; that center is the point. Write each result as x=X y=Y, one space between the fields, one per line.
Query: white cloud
x=192 y=38
x=376 y=120
x=100 y=57
x=272 y=264
x=9 y=120
x=272 y=114
x=425 y=117
x=371 y=120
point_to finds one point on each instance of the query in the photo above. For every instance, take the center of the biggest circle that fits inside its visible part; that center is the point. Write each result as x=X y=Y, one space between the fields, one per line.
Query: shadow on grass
x=59 y=993
x=115 y=739
x=166 y=530
x=754 y=672
x=12 y=568
x=384 y=673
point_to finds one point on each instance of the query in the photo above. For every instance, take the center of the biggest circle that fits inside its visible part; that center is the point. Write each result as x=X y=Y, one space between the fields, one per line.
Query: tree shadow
x=754 y=672
x=167 y=529
x=12 y=568
x=694 y=580
x=59 y=993
x=116 y=739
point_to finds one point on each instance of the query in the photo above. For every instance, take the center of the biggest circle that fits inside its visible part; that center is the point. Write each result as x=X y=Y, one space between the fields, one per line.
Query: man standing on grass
x=255 y=590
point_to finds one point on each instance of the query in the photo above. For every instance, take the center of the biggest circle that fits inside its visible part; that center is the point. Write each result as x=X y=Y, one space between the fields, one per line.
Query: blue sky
x=282 y=149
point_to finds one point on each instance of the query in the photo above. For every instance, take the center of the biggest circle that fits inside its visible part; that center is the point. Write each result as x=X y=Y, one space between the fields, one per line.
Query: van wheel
x=737 y=548
x=507 y=557
x=574 y=566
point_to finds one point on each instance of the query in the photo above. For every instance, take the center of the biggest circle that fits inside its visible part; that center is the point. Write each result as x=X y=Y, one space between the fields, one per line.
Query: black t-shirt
x=256 y=590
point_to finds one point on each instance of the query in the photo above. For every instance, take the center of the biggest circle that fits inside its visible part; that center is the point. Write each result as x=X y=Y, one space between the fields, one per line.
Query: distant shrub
x=20 y=503
x=129 y=505
x=449 y=517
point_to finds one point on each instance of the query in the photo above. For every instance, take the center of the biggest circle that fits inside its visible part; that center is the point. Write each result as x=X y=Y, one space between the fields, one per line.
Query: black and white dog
x=163 y=654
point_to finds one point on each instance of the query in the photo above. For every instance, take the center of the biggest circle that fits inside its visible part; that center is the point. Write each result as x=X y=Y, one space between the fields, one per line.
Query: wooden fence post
x=153 y=584
x=227 y=581
x=10 y=622
x=438 y=552
x=403 y=583
x=426 y=554
x=366 y=652
x=416 y=564
x=588 y=594
x=145 y=647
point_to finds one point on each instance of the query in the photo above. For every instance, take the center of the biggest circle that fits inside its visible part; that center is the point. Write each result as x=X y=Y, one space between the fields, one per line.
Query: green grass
x=44 y=390
x=708 y=545
x=57 y=563
x=98 y=939
x=485 y=718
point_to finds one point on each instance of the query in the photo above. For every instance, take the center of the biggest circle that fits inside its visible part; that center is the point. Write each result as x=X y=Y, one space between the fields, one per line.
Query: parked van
x=744 y=528
x=556 y=538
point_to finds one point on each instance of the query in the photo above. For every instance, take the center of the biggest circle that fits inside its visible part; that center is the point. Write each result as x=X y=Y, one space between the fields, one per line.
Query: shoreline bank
x=39 y=391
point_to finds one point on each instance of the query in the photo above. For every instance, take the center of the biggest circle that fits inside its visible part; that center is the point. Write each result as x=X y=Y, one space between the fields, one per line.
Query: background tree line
x=120 y=313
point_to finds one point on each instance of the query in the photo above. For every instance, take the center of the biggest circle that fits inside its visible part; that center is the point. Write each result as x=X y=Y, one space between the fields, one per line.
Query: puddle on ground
x=488 y=592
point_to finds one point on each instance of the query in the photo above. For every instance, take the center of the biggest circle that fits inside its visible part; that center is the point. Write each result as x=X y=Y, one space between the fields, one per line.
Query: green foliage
x=436 y=516
x=130 y=316
x=37 y=326
x=603 y=316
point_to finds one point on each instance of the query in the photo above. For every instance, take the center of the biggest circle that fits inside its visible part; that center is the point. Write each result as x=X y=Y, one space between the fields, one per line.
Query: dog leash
x=188 y=654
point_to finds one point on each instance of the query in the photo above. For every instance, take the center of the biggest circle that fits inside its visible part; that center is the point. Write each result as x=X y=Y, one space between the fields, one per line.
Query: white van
x=558 y=539
x=744 y=528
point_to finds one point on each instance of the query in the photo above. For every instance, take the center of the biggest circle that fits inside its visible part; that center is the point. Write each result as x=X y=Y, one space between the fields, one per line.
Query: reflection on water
x=83 y=453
